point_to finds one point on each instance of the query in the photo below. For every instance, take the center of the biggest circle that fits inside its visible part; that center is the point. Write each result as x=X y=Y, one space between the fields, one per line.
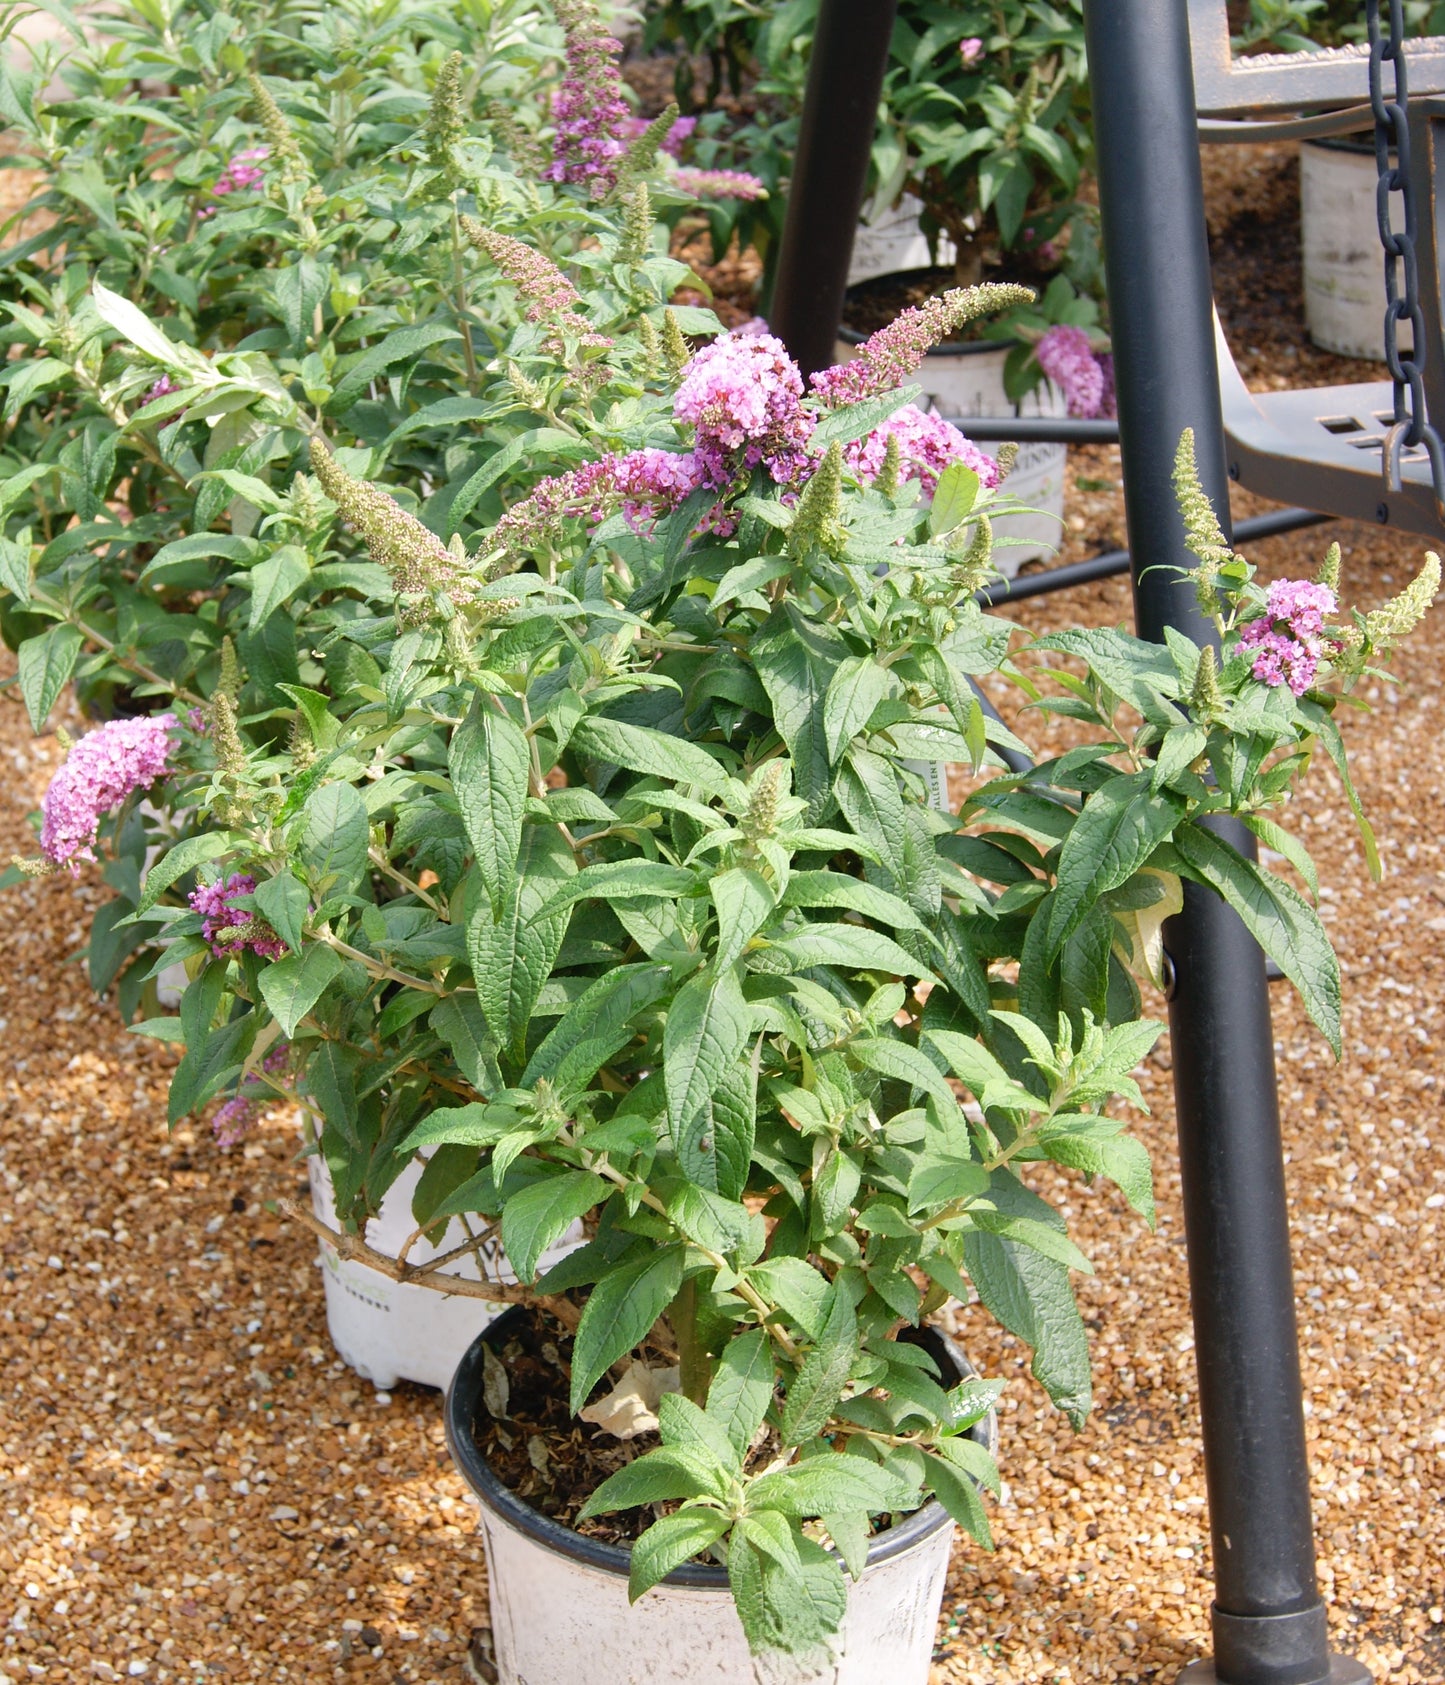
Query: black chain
x=1411 y=427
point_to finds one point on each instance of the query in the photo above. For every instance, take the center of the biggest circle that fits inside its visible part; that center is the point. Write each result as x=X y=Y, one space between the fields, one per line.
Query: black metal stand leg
x=1269 y=1621
x=830 y=171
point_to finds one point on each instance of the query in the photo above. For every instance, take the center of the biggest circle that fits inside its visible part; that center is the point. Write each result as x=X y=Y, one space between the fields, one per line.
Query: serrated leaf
x=891 y=1057
x=282 y=901
x=1120 y=826
x=1277 y=916
x=795 y=657
x=46 y=664
x=491 y=765
x=858 y=685
x=335 y=836
x=670 y=1542
x=819 y=1383
x=742 y=1388
x=597 y=1025
x=539 y=1215
x=1030 y=1295
x=275 y=580
x=292 y=986
x=850 y=947
x=744 y=904
x=183 y=858
x=618 y=1315
x=830 y=1482
x=959 y=1496
x=706 y=1030
x=640 y=749
x=655 y=1478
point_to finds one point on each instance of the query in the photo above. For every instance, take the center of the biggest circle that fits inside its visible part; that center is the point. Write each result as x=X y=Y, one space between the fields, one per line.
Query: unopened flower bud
x=1206 y=700
x=1402 y=614
x=765 y=792
x=674 y=343
x=818 y=520
x=1329 y=574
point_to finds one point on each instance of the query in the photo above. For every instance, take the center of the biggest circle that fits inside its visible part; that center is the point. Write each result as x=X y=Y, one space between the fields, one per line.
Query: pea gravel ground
x=193 y=1488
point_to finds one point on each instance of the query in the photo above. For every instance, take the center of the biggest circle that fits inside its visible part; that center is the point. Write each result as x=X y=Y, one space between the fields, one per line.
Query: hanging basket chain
x=1411 y=427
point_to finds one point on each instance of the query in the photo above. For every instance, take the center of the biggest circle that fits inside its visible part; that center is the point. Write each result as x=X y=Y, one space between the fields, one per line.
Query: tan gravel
x=194 y=1488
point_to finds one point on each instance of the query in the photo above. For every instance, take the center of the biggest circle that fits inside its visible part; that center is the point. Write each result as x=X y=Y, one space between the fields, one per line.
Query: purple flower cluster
x=1067 y=358
x=927 y=444
x=648 y=483
x=743 y=395
x=103 y=768
x=719 y=184
x=588 y=109
x=1288 y=637
x=235 y=1120
x=633 y=128
x=230 y=929
x=243 y=172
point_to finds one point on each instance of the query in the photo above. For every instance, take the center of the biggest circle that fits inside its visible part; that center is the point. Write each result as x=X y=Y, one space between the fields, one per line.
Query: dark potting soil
x=541 y=1452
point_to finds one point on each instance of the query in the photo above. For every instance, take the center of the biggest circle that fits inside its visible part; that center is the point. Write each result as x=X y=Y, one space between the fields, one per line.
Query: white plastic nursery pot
x=560 y=1614
x=960 y=381
x=1344 y=266
x=390 y=1331
x=893 y=241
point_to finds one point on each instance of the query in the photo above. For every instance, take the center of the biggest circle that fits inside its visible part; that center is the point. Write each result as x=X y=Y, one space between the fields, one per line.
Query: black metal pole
x=830 y=172
x=1269 y=1621
x=1109 y=563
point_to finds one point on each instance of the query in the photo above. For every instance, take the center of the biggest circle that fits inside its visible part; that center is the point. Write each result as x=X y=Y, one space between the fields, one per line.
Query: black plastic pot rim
x=464 y=1407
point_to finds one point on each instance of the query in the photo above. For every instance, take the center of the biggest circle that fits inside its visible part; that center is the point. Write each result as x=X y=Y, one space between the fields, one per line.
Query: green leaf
x=857 y=687
x=1277 y=916
x=462 y=1025
x=795 y=656
x=491 y=764
x=867 y=790
x=160 y=1029
x=1027 y=1231
x=959 y=1496
x=744 y=904
x=511 y=956
x=657 y=1477
x=857 y=421
x=597 y=1025
x=819 y=1383
x=1121 y=825
x=831 y=1481
x=640 y=749
x=206 y=1067
x=275 y=579
x=684 y=1425
x=837 y=889
x=282 y=902
x=706 y=1030
x=335 y=836
x=1030 y=1295
x=953 y=498
x=904 y=1063
x=46 y=664
x=670 y=1542
x=539 y=1215
x=798 y=1290
x=742 y=1388
x=292 y=986
x=1122 y=1159
x=183 y=858
x=621 y=880
x=134 y=325
x=617 y=1317
x=402 y=345
x=850 y=947
x=1276 y=837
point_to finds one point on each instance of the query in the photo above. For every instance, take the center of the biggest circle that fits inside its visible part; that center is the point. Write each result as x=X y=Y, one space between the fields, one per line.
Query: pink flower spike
x=743 y=395
x=719 y=184
x=230 y=929
x=103 y=768
x=588 y=109
x=1067 y=359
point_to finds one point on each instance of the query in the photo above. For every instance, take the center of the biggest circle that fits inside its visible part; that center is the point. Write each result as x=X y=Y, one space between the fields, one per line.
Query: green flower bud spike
x=1006 y=456
x=636 y=239
x=818 y=521
x=1202 y=532
x=640 y=158
x=232 y=679
x=291 y=163
x=674 y=345
x=975 y=566
x=411 y=553
x=1401 y=615
x=766 y=789
x=1329 y=574
x=886 y=480
x=651 y=344
x=446 y=124
x=1206 y=700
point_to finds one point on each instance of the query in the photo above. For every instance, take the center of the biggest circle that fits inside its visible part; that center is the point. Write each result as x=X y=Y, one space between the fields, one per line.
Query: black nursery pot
x=560 y=1614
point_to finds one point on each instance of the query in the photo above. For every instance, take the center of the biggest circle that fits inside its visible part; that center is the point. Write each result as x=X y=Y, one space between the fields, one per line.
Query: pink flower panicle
x=743 y=396
x=1288 y=637
x=235 y=1120
x=588 y=108
x=230 y=929
x=1066 y=357
x=891 y=355
x=552 y=300
x=648 y=483
x=719 y=184
x=243 y=172
x=927 y=444
x=103 y=768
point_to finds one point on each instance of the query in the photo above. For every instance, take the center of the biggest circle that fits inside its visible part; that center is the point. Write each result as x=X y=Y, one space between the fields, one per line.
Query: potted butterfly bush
x=289 y=232
x=618 y=893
